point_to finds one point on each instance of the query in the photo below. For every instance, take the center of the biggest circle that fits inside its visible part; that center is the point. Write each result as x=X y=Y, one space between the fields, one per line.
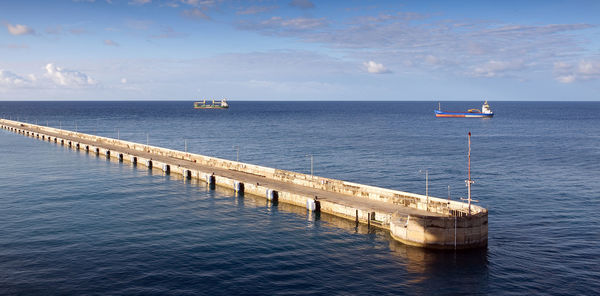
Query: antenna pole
x=427 y=187
x=469 y=181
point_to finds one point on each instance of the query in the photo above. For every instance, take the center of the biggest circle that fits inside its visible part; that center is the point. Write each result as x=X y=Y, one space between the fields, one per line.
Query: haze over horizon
x=300 y=50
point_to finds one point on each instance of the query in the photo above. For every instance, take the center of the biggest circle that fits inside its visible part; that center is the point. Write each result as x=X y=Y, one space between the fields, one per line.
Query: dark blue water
x=72 y=223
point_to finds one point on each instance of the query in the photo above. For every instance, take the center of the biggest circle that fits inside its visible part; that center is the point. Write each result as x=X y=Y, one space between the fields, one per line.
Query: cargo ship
x=485 y=112
x=214 y=105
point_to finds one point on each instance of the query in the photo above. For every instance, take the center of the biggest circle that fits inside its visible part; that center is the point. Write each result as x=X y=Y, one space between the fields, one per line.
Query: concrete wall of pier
x=451 y=227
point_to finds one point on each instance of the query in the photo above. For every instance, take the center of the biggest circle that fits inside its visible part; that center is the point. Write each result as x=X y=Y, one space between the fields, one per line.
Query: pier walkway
x=411 y=218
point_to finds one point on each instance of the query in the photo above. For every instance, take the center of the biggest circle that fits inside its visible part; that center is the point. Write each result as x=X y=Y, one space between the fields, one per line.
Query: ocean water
x=74 y=223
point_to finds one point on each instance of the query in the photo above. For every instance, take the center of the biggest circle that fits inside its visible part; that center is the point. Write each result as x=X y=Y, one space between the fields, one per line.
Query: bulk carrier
x=485 y=112
x=214 y=105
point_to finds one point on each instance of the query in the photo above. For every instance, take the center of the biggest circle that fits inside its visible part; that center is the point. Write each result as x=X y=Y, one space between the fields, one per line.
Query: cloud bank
x=11 y=80
x=583 y=70
x=68 y=78
x=426 y=43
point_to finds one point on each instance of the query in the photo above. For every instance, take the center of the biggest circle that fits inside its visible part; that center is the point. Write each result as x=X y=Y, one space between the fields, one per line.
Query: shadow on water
x=426 y=261
x=418 y=261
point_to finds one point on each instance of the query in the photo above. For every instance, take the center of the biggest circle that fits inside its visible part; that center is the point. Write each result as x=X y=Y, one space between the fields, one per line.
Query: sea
x=72 y=223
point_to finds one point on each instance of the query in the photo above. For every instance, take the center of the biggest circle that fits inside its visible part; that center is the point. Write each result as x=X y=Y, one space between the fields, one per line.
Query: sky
x=300 y=50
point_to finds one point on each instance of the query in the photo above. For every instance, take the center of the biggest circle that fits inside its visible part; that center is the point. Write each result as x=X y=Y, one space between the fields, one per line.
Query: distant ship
x=214 y=105
x=485 y=112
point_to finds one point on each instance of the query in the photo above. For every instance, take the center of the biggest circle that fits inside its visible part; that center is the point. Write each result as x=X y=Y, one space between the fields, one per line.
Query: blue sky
x=299 y=50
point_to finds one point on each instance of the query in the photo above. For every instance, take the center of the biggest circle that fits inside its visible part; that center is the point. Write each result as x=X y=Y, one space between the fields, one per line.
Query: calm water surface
x=74 y=223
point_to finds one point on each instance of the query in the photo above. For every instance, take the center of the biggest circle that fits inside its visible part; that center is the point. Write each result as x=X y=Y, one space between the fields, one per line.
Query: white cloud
x=584 y=70
x=301 y=23
x=375 y=68
x=10 y=79
x=277 y=25
x=589 y=68
x=124 y=80
x=110 y=43
x=200 y=8
x=19 y=29
x=566 y=78
x=563 y=72
x=562 y=66
x=495 y=68
x=68 y=78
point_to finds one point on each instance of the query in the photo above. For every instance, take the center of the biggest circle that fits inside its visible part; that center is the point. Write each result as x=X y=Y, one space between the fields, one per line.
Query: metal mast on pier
x=469 y=181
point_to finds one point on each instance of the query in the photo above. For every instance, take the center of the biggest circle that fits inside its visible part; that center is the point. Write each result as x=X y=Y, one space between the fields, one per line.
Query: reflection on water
x=419 y=262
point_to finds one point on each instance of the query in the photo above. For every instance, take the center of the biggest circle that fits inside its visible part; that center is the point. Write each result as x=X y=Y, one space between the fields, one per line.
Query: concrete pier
x=413 y=219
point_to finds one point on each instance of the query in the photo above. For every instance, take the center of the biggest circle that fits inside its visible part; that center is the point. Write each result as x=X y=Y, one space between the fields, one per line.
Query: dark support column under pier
x=239 y=187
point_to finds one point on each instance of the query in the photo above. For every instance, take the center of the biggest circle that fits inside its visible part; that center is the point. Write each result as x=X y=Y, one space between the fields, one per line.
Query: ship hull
x=439 y=113
x=210 y=107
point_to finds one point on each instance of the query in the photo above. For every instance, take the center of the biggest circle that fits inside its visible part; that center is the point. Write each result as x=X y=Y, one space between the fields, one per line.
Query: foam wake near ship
x=485 y=112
